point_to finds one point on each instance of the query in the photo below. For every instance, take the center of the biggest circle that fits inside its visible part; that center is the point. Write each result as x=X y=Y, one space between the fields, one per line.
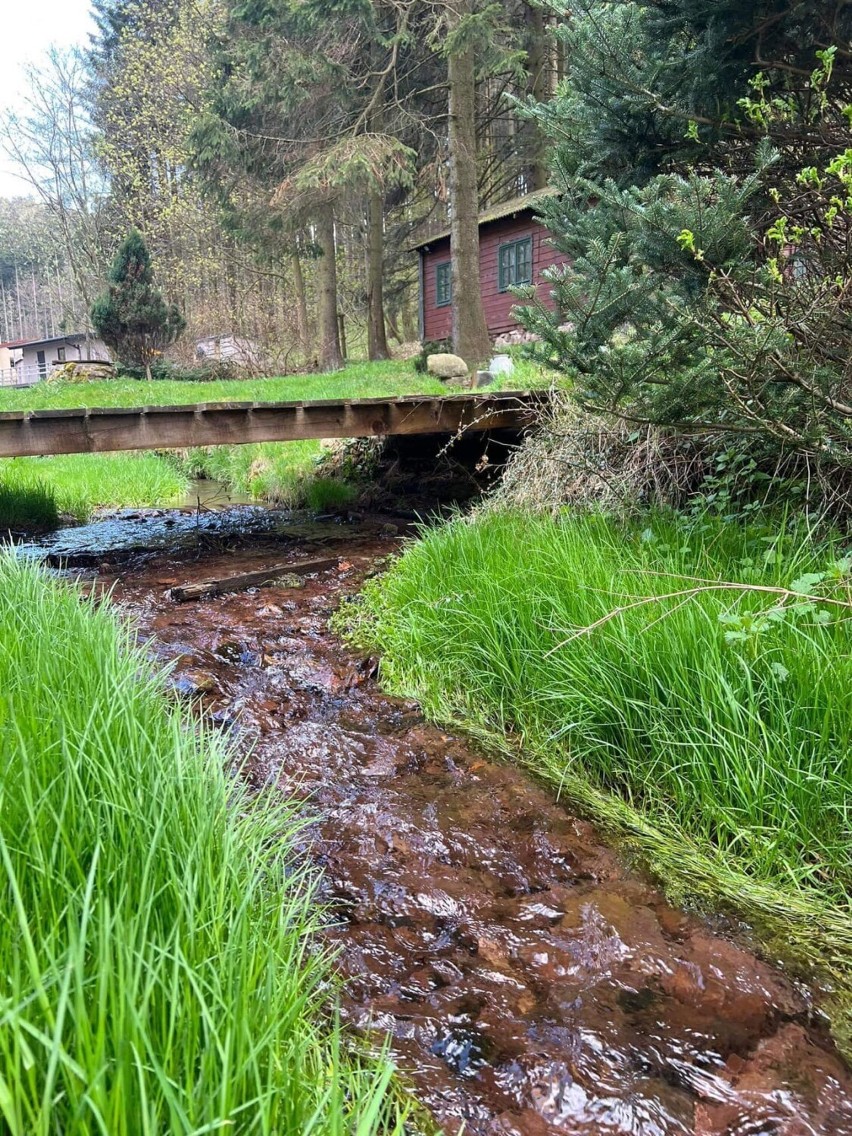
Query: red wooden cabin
x=514 y=248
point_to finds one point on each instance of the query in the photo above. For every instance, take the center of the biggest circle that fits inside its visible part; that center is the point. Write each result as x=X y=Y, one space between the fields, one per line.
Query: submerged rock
x=192 y=684
x=289 y=580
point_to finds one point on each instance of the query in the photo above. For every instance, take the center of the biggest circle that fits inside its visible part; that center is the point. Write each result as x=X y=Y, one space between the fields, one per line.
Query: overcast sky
x=27 y=30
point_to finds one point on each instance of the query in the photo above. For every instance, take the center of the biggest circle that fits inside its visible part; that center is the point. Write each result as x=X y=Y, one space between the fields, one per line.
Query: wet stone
x=238 y=654
x=288 y=580
x=193 y=684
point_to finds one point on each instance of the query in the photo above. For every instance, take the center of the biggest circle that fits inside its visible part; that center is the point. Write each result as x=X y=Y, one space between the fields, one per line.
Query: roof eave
x=511 y=208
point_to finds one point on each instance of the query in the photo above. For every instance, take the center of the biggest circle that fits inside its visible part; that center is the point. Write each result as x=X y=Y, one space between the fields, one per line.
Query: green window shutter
x=507 y=263
x=443 y=284
x=523 y=261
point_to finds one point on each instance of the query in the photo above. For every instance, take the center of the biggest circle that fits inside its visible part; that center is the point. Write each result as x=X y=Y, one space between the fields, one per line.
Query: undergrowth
x=710 y=724
x=156 y=935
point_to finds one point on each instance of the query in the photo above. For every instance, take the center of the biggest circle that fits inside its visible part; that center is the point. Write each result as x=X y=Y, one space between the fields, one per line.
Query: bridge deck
x=95 y=430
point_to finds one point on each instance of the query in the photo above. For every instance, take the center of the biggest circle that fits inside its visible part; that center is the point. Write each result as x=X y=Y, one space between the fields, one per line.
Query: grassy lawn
x=156 y=944
x=282 y=472
x=361 y=380
x=712 y=726
x=358 y=380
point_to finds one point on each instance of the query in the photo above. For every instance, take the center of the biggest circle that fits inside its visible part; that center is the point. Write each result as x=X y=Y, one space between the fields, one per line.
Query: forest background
x=277 y=159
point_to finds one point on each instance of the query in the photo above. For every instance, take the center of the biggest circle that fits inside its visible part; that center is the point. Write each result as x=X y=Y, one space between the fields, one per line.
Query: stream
x=532 y=981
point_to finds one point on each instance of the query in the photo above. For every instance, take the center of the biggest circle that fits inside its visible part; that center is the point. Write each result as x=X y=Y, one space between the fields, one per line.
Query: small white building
x=227 y=348
x=26 y=361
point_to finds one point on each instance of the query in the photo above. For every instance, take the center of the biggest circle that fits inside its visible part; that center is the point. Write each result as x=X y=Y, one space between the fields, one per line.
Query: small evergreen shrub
x=132 y=317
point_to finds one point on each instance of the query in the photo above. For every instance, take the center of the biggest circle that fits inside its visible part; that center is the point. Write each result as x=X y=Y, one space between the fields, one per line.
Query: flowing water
x=532 y=982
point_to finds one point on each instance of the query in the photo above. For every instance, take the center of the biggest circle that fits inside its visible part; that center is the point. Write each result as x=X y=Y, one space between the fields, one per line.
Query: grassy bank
x=80 y=483
x=268 y=471
x=155 y=943
x=712 y=725
x=359 y=380
x=26 y=504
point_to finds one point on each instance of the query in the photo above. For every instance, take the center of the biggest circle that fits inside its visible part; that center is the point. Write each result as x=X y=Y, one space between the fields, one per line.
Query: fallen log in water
x=243 y=580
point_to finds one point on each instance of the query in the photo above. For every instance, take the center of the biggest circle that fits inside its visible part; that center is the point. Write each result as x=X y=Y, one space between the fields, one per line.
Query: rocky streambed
x=532 y=982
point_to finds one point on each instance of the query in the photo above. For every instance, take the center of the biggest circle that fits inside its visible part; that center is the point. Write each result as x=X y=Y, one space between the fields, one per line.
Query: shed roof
x=495 y=213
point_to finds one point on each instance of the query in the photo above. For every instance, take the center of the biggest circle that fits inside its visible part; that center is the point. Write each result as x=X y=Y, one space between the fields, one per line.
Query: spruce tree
x=132 y=317
x=703 y=153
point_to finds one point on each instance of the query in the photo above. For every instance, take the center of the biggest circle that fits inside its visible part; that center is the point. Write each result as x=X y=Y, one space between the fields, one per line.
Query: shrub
x=132 y=317
x=707 y=283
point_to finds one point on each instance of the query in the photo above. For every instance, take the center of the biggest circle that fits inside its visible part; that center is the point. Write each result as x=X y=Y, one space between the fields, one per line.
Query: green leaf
x=806 y=584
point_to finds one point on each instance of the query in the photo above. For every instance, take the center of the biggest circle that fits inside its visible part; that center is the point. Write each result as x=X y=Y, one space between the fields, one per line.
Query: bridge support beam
x=95 y=430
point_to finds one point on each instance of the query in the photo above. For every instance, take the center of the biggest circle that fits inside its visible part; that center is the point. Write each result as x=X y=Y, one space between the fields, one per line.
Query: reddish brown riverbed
x=532 y=982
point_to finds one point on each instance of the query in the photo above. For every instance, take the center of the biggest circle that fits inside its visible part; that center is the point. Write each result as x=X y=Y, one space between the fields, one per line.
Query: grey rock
x=446 y=366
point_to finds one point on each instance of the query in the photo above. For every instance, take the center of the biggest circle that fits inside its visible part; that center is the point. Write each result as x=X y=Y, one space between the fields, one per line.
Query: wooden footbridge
x=97 y=430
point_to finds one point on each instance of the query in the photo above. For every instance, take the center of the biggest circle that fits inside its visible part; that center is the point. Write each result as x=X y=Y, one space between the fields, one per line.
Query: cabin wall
x=438 y=321
x=75 y=350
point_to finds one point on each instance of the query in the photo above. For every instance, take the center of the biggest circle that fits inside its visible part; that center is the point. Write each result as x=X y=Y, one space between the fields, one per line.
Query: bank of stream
x=532 y=981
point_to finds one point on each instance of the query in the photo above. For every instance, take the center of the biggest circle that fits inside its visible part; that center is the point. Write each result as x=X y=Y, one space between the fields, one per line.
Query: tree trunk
x=331 y=357
x=470 y=333
x=377 y=343
x=539 y=87
x=302 y=327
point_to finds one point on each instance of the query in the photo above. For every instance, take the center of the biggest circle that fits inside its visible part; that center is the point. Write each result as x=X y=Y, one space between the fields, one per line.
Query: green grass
x=357 y=380
x=27 y=504
x=81 y=483
x=159 y=968
x=271 y=471
x=721 y=740
x=326 y=493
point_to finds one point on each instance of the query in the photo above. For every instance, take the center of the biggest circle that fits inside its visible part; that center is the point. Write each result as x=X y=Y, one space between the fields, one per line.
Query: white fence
x=23 y=376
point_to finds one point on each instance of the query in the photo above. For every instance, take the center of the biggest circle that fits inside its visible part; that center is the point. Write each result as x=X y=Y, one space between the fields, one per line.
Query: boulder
x=81 y=371
x=446 y=366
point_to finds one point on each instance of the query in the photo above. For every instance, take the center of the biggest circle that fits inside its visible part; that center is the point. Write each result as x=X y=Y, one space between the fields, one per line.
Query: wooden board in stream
x=239 y=583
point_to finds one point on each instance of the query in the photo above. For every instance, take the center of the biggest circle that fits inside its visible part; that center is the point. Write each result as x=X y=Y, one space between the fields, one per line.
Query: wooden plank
x=102 y=429
x=215 y=587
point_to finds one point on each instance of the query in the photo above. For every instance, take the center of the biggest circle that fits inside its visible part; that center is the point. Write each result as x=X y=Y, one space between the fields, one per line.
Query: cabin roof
x=72 y=337
x=494 y=213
